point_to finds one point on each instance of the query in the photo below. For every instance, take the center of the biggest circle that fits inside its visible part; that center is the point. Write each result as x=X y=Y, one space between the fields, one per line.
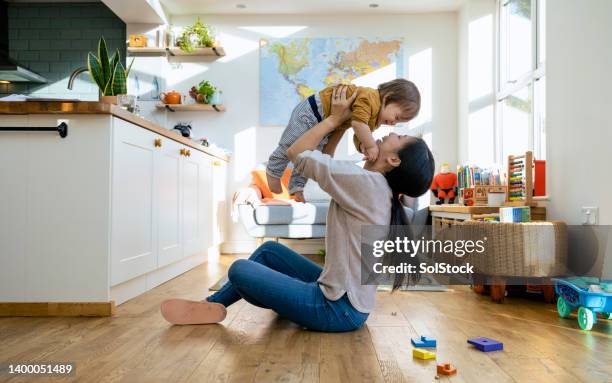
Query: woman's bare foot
x=183 y=311
x=274 y=184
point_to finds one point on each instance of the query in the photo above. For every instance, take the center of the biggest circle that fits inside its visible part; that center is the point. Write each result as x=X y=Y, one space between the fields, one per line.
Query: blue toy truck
x=574 y=293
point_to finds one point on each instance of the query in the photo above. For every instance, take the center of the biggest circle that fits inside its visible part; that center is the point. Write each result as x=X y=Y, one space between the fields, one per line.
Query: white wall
x=579 y=126
x=237 y=75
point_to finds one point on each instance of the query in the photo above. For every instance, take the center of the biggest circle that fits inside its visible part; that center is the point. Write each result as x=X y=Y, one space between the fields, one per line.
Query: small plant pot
x=109 y=100
x=201 y=99
x=215 y=99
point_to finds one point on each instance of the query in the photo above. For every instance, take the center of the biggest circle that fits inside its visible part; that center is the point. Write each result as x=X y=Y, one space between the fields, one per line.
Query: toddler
x=394 y=101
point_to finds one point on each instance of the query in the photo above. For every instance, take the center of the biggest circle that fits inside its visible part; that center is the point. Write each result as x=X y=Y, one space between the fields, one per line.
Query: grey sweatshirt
x=359 y=197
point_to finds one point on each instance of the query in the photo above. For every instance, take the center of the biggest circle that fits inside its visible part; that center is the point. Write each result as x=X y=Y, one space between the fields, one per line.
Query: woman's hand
x=340 y=112
x=340 y=105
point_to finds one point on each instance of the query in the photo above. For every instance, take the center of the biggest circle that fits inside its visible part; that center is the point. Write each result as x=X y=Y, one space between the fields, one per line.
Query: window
x=521 y=79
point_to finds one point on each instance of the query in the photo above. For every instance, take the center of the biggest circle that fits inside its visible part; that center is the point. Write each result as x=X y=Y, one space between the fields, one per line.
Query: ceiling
x=311 y=7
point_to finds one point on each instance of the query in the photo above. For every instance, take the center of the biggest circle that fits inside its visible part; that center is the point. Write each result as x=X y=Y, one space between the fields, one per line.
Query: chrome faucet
x=74 y=75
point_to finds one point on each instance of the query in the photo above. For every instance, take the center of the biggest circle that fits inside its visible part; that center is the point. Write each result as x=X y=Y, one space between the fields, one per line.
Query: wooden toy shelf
x=169 y=52
x=190 y=107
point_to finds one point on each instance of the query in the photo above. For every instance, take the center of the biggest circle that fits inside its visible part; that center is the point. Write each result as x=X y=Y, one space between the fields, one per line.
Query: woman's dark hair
x=403 y=93
x=412 y=177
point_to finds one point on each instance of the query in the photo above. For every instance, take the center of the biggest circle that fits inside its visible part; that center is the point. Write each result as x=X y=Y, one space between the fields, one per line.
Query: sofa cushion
x=309 y=213
x=260 y=180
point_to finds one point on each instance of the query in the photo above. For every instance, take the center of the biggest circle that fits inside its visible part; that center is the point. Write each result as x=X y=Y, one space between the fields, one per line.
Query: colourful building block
x=423 y=341
x=423 y=354
x=486 y=344
x=446 y=369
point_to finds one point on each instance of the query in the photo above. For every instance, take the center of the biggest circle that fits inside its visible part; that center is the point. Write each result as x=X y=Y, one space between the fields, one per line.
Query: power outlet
x=590 y=215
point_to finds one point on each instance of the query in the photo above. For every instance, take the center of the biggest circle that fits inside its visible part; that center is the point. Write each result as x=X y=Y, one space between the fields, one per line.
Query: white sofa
x=298 y=220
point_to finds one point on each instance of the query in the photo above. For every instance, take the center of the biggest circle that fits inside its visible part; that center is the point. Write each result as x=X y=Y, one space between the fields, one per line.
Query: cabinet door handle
x=157 y=143
x=188 y=153
x=183 y=152
x=216 y=163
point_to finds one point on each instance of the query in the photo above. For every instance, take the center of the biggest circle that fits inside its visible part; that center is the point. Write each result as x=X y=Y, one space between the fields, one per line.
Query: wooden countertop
x=93 y=107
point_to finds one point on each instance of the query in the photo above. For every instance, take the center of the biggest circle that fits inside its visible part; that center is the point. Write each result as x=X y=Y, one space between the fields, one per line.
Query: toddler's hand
x=298 y=196
x=370 y=153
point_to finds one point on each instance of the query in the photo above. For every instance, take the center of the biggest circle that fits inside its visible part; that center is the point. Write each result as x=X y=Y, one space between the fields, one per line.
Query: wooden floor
x=253 y=344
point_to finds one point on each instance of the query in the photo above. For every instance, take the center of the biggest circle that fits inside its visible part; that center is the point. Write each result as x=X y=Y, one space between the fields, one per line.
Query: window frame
x=529 y=79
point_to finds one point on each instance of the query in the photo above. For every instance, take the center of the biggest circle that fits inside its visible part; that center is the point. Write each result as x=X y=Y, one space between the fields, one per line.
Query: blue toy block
x=486 y=344
x=423 y=341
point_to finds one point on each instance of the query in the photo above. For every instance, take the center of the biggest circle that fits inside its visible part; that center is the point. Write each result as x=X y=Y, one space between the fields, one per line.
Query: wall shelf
x=147 y=51
x=190 y=107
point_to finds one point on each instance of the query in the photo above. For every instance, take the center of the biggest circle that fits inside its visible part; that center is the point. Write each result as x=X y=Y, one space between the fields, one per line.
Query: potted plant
x=108 y=73
x=195 y=36
x=216 y=98
x=203 y=92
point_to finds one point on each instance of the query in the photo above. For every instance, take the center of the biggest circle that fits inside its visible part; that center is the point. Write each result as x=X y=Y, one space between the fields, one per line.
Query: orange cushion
x=260 y=180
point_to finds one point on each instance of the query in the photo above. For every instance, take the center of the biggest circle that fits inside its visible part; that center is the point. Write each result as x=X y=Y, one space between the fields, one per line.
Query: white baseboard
x=302 y=246
x=134 y=287
x=238 y=246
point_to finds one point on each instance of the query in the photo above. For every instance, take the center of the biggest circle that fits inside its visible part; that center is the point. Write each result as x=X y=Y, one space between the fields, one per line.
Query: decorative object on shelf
x=515 y=214
x=172 y=97
x=108 y=73
x=496 y=195
x=444 y=185
x=127 y=102
x=138 y=41
x=184 y=129
x=216 y=97
x=203 y=92
x=466 y=196
x=169 y=37
x=195 y=36
x=489 y=195
x=478 y=183
x=522 y=172
x=204 y=141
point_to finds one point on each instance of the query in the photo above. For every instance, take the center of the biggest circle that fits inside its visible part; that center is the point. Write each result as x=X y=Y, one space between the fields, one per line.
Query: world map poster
x=292 y=69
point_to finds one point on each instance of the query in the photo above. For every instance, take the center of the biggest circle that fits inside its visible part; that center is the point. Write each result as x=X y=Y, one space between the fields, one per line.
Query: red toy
x=446 y=369
x=444 y=185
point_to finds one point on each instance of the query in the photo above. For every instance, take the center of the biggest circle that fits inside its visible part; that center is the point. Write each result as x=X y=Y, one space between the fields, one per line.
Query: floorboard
x=255 y=345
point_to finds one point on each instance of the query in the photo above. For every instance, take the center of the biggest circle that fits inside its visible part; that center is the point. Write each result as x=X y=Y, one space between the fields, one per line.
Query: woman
x=331 y=298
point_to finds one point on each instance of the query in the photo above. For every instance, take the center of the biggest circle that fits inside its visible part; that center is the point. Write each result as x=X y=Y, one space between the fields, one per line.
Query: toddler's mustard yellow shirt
x=365 y=108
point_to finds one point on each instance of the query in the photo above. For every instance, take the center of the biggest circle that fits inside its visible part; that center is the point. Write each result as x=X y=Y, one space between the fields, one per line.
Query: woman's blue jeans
x=276 y=277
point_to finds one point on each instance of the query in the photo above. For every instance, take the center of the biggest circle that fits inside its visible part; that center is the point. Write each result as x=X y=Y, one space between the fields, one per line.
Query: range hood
x=10 y=70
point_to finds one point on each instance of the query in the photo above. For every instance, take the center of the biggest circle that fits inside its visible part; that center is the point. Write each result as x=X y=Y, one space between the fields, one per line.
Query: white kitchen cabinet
x=168 y=201
x=192 y=166
x=207 y=221
x=219 y=200
x=104 y=214
x=133 y=212
x=168 y=212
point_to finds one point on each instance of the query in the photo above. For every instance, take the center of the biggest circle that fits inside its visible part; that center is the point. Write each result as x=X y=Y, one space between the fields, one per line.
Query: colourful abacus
x=520 y=180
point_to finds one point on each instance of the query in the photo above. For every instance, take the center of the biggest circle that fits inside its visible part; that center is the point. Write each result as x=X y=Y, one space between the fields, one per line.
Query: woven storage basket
x=533 y=249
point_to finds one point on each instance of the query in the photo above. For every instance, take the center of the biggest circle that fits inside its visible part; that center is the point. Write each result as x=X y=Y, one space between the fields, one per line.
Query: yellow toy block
x=419 y=353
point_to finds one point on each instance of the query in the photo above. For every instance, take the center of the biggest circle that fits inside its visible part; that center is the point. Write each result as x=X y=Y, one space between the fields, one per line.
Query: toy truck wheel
x=586 y=318
x=563 y=308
